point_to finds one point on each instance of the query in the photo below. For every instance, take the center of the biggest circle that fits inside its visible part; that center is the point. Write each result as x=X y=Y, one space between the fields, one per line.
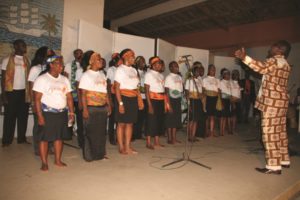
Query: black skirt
x=155 y=121
x=95 y=133
x=173 y=120
x=131 y=110
x=196 y=111
x=56 y=126
x=211 y=103
x=226 y=111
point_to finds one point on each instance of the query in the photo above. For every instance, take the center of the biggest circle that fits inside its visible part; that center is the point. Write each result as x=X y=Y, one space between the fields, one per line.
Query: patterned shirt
x=273 y=95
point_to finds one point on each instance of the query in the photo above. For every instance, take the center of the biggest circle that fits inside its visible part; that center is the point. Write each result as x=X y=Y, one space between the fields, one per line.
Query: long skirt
x=173 y=120
x=155 y=121
x=95 y=133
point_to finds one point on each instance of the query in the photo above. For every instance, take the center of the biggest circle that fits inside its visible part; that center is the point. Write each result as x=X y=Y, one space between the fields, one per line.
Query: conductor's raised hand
x=240 y=53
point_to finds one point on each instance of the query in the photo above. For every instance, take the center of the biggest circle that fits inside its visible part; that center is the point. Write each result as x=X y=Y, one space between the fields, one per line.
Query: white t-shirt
x=111 y=74
x=225 y=87
x=155 y=80
x=235 y=89
x=35 y=72
x=127 y=77
x=190 y=85
x=54 y=90
x=79 y=73
x=19 y=77
x=175 y=84
x=93 y=81
x=211 y=83
x=68 y=68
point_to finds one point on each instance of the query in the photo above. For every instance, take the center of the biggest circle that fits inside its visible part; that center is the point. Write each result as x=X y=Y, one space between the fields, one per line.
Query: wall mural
x=38 y=22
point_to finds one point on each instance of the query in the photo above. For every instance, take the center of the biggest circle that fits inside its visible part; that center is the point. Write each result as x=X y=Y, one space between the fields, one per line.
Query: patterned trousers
x=274 y=137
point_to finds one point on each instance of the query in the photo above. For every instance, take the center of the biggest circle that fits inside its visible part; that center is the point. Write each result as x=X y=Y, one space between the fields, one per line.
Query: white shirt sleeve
x=83 y=83
x=168 y=82
x=78 y=74
x=148 y=78
x=4 y=63
x=33 y=73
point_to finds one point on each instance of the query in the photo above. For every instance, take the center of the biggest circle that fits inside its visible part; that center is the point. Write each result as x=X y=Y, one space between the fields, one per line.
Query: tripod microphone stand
x=185 y=155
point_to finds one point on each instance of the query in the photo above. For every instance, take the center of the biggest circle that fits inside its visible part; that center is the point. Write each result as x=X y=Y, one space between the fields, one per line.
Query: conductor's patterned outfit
x=273 y=100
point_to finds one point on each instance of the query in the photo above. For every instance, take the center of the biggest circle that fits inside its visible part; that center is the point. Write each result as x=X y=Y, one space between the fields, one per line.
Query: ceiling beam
x=152 y=11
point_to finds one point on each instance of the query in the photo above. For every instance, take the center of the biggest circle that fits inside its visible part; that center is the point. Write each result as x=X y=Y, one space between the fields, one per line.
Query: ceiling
x=200 y=17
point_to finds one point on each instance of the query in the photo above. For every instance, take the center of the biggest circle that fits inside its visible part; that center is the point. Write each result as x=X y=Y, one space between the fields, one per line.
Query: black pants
x=79 y=123
x=16 y=110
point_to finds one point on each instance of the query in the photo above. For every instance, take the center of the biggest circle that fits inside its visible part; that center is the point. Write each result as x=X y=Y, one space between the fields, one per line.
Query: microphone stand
x=185 y=155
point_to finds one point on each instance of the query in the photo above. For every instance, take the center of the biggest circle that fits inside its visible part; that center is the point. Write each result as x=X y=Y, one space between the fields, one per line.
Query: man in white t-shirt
x=15 y=93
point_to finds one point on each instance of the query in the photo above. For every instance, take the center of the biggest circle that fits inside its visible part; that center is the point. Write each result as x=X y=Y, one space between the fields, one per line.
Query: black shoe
x=268 y=171
x=285 y=166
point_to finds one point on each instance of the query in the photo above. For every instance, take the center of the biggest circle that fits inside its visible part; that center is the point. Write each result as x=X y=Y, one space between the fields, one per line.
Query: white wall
x=92 y=37
x=88 y=10
x=166 y=51
x=140 y=45
x=196 y=55
x=225 y=62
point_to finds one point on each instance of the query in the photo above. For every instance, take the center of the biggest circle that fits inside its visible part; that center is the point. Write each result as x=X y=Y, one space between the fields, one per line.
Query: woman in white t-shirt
x=225 y=88
x=193 y=88
x=128 y=101
x=113 y=64
x=96 y=107
x=174 y=90
x=38 y=64
x=155 y=94
x=211 y=89
x=53 y=99
x=235 y=98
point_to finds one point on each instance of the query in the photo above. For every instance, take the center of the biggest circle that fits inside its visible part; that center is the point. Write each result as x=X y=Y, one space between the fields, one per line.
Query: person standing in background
x=71 y=69
x=113 y=64
x=15 y=93
x=248 y=96
x=139 y=126
x=174 y=91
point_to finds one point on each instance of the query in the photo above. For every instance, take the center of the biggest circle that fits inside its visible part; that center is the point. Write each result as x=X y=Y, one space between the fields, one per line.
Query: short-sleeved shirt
x=19 y=76
x=127 y=77
x=54 y=90
x=93 y=81
x=211 y=83
x=190 y=85
x=35 y=71
x=78 y=74
x=111 y=74
x=235 y=89
x=225 y=88
x=155 y=80
x=175 y=84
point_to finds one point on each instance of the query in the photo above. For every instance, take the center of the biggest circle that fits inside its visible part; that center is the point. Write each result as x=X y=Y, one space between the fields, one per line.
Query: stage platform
x=141 y=177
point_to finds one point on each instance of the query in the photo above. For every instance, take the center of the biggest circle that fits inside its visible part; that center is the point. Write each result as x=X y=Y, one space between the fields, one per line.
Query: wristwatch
x=121 y=103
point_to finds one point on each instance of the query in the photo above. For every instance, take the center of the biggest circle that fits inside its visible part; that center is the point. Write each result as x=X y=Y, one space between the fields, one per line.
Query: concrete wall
x=88 y=10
